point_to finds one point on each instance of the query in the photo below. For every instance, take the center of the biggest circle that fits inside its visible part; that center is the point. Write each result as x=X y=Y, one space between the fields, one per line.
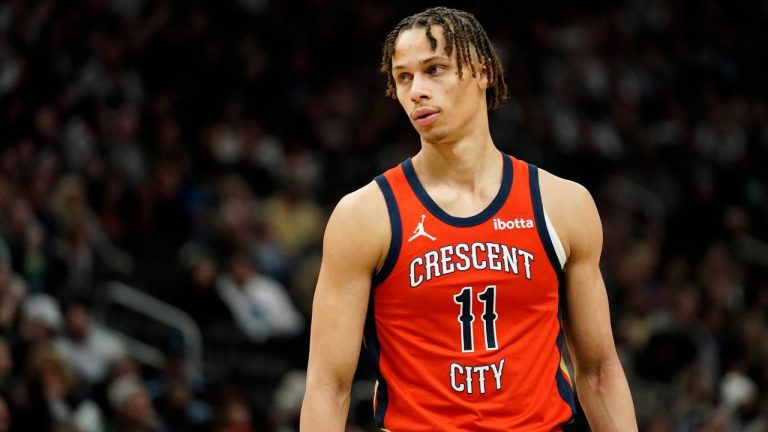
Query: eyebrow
x=425 y=61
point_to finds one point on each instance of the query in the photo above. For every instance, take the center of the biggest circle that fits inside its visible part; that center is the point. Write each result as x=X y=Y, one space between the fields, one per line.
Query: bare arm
x=602 y=387
x=355 y=242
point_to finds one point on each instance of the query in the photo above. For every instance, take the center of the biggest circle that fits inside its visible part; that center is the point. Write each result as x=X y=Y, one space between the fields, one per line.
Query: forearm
x=605 y=398
x=324 y=410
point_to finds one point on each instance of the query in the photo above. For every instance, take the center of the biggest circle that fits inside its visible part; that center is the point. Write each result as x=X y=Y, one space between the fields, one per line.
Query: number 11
x=466 y=317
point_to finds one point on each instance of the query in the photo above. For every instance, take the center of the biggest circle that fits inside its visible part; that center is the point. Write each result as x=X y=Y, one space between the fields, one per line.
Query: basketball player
x=463 y=270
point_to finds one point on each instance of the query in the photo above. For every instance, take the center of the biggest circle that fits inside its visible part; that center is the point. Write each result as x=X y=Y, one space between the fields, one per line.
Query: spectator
x=195 y=290
x=132 y=408
x=177 y=392
x=234 y=413
x=55 y=399
x=82 y=254
x=120 y=368
x=295 y=221
x=85 y=346
x=40 y=323
x=260 y=306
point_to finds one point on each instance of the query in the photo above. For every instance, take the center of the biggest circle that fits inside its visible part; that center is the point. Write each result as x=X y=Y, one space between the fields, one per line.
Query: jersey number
x=466 y=317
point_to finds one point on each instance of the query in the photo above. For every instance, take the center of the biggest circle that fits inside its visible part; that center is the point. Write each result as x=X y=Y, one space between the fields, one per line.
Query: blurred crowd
x=194 y=149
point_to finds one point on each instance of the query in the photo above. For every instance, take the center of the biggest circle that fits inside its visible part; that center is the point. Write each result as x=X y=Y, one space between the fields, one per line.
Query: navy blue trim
x=563 y=387
x=371 y=338
x=541 y=222
x=486 y=214
x=397 y=232
x=373 y=348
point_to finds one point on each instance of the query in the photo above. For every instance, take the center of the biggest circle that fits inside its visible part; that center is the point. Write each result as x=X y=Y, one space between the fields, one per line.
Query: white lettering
x=475 y=374
x=454 y=382
x=493 y=254
x=461 y=252
x=416 y=282
x=462 y=257
x=446 y=259
x=497 y=373
x=481 y=370
x=510 y=259
x=517 y=223
x=475 y=248
x=431 y=264
x=528 y=258
x=469 y=370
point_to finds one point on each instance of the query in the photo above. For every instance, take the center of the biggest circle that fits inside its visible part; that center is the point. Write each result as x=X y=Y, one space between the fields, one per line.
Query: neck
x=466 y=162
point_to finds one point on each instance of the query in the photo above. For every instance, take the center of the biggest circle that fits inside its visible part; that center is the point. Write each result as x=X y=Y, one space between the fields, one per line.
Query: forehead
x=413 y=44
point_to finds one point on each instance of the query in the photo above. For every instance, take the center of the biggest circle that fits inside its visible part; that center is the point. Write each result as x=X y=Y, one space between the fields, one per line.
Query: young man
x=463 y=269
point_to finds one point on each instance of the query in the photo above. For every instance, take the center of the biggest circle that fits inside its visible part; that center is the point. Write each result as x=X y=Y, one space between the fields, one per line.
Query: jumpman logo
x=419 y=231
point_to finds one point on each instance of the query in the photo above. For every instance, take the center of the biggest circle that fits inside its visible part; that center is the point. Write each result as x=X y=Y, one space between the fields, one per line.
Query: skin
x=461 y=169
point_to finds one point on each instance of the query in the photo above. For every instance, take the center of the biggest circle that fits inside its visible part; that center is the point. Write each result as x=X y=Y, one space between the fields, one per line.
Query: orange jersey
x=463 y=326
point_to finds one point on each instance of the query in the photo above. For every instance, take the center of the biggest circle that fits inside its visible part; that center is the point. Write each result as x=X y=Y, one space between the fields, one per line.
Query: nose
x=420 y=89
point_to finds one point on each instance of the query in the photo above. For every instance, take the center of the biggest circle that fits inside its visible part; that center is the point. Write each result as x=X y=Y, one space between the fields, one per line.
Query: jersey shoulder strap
x=389 y=181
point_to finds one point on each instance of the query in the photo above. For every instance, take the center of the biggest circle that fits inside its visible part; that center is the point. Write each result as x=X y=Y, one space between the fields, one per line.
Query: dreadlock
x=462 y=32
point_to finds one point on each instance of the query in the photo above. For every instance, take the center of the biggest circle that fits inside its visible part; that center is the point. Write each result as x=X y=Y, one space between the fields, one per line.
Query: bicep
x=341 y=301
x=338 y=314
x=587 y=326
x=587 y=318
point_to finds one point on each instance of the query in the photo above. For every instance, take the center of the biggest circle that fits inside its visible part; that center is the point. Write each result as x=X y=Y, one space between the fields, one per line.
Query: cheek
x=403 y=99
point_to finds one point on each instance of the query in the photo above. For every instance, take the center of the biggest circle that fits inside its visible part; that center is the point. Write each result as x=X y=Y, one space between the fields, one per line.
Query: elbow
x=328 y=388
x=596 y=373
x=325 y=402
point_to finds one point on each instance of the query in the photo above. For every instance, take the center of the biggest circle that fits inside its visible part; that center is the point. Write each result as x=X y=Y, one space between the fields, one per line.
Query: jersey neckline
x=484 y=215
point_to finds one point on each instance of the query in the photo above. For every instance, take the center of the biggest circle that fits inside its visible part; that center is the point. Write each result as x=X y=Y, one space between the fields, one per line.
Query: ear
x=485 y=76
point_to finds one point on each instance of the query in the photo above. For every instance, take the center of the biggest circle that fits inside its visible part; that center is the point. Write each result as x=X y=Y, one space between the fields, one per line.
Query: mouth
x=424 y=116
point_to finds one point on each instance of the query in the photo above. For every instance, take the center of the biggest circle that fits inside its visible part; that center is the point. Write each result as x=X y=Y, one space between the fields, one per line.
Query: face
x=440 y=105
x=241 y=269
x=137 y=410
x=203 y=273
x=77 y=321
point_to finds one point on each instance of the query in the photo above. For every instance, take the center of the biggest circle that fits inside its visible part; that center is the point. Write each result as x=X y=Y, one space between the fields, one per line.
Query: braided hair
x=462 y=32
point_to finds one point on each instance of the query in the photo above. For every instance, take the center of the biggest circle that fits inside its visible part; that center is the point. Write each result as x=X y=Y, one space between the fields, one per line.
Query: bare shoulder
x=561 y=194
x=572 y=211
x=359 y=225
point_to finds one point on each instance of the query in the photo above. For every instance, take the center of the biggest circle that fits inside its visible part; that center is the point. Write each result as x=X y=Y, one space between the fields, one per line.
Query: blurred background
x=167 y=169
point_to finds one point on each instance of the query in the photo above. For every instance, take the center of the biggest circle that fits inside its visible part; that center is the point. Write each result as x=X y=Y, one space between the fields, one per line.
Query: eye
x=403 y=78
x=435 y=69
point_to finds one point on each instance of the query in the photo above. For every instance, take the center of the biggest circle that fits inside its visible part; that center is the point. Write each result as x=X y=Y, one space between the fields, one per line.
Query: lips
x=423 y=116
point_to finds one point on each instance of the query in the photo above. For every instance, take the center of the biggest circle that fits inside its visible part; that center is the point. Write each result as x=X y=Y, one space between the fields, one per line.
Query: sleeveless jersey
x=463 y=324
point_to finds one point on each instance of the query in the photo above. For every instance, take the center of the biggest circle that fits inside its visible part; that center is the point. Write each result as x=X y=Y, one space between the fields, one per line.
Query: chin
x=435 y=137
